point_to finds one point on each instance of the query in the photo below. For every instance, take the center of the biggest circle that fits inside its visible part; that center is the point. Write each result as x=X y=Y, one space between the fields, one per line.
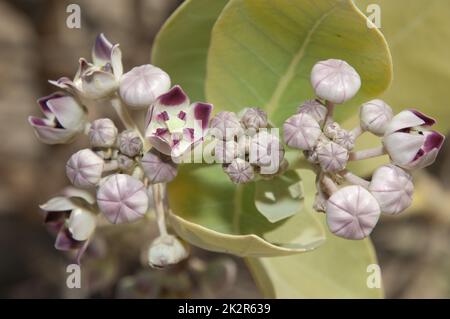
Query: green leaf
x=417 y=33
x=280 y=197
x=262 y=52
x=212 y=213
x=181 y=45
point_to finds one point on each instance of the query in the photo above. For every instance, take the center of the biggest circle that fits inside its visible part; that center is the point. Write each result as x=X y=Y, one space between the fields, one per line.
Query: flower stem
x=357 y=131
x=158 y=197
x=330 y=111
x=329 y=185
x=355 y=179
x=365 y=154
x=110 y=166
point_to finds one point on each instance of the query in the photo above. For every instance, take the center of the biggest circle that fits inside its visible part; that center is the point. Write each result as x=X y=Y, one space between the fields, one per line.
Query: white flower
x=166 y=250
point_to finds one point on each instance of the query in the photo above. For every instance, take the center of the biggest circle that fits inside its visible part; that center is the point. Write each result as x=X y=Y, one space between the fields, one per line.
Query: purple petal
x=64 y=241
x=55 y=220
x=202 y=111
x=36 y=121
x=102 y=49
x=43 y=101
x=174 y=97
x=428 y=120
x=433 y=140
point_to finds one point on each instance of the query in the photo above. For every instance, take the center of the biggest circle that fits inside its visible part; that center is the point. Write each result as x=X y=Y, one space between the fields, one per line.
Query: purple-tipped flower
x=254 y=118
x=375 y=115
x=122 y=199
x=99 y=79
x=158 y=168
x=102 y=133
x=302 y=131
x=335 y=81
x=332 y=157
x=130 y=143
x=409 y=142
x=226 y=126
x=240 y=171
x=174 y=125
x=166 y=250
x=84 y=169
x=352 y=212
x=393 y=188
x=140 y=87
x=315 y=109
x=64 y=119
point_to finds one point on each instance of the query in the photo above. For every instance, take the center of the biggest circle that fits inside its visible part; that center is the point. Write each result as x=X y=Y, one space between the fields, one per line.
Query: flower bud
x=226 y=151
x=125 y=163
x=335 y=81
x=345 y=139
x=166 y=250
x=352 y=212
x=158 y=167
x=102 y=133
x=122 y=199
x=81 y=224
x=331 y=130
x=226 y=125
x=315 y=109
x=240 y=171
x=332 y=157
x=142 y=85
x=84 y=169
x=302 y=131
x=254 y=118
x=266 y=152
x=393 y=188
x=375 y=115
x=130 y=143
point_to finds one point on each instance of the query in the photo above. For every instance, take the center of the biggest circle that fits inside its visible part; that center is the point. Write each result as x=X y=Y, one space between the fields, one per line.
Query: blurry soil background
x=36 y=45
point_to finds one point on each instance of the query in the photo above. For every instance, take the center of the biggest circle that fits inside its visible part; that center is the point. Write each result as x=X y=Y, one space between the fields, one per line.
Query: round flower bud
x=315 y=109
x=122 y=199
x=130 y=143
x=142 y=85
x=393 y=188
x=345 y=139
x=226 y=151
x=332 y=157
x=240 y=171
x=375 y=115
x=166 y=250
x=125 y=163
x=254 y=118
x=335 y=81
x=266 y=151
x=331 y=130
x=226 y=125
x=158 y=167
x=352 y=212
x=81 y=224
x=102 y=133
x=84 y=169
x=302 y=131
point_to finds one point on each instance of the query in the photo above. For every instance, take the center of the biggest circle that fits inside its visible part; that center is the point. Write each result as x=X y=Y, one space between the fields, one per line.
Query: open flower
x=174 y=125
x=72 y=217
x=409 y=142
x=166 y=250
x=98 y=79
x=64 y=119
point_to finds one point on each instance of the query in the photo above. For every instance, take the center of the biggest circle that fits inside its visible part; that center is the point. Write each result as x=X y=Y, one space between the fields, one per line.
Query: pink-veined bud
x=130 y=143
x=174 y=125
x=375 y=115
x=84 y=169
x=345 y=139
x=352 y=212
x=409 y=141
x=335 y=81
x=332 y=157
x=64 y=119
x=140 y=87
x=166 y=250
x=240 y=171
x=158 y=168
x=226 y=126
x=314 y=108
x=302 y=131
x=122 y=199
x=393 y=188
x=226 y=151
x=81 y=224
x=102 y=133
x=254 y=118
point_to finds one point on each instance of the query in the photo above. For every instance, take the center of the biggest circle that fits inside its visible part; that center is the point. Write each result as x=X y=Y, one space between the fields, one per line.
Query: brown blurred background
x=36 y=45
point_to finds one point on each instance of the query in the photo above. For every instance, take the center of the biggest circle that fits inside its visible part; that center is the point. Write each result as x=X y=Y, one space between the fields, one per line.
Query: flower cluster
x=353 y=210
x=247 y=146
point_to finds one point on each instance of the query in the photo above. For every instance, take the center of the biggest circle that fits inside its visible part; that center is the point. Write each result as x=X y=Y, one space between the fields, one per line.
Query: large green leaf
x=212 y=213
x=181 y=45
x=337 y=269
x=417 y=33
x=262 y=52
